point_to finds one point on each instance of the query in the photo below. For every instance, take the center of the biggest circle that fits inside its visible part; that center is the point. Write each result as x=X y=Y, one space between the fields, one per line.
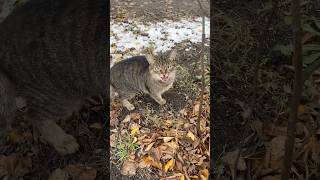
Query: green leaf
x=308 y=28
x=311 y=58
x=267 y=6
x=288 y=20
x=311 y=47
x=284 y=49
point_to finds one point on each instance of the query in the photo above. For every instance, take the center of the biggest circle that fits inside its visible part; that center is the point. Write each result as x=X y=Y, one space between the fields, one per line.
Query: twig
x=202 y=67
x=258 y=57
x=297 y=60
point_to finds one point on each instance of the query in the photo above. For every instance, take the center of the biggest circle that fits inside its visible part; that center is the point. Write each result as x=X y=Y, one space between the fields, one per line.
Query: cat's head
x=163 y=66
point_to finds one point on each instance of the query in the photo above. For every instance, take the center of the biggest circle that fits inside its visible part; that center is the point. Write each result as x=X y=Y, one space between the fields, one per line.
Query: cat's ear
x=150 y=58
x=173 y=55
x=149 y=55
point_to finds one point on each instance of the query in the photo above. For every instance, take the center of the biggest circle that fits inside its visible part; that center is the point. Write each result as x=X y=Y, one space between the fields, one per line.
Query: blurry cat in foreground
x=148 y=74
x=52 y=54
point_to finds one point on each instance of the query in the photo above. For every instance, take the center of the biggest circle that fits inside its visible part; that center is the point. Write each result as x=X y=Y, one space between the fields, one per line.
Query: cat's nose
x=164 y=77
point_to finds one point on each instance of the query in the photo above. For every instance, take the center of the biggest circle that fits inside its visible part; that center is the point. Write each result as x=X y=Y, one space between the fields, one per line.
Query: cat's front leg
x=158 y=98
x=54 y=135
x=128 y=105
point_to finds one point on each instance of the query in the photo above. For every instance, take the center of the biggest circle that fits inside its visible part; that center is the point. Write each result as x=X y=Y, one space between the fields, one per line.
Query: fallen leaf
x=204 y=174
x=15 y=165
x=168 y=123
x=59 y=174
x=127 y=119
x=168 y=165
x=135 y=116
x=149 y=147
x=15 y=137
x=113 y=140
x=196 y=108
x=81 y=172
x=277 y=151
x=230 y=160
x=96 y=126
x=191 y=136
x=146 y=161
x=166 y=139
x=129 y=168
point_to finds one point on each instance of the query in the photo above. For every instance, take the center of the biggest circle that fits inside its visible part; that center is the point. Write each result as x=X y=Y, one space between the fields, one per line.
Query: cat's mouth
x=164 y=80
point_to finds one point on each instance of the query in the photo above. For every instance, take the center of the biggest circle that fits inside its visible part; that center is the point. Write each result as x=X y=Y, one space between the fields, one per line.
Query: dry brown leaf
x=149 y=147
x=135 y=116
x=314 y=147
x=272 y=130
x=191 y=135
x=277 y=151
x=59 y=174
x=277 y=146
x=196 y=108
x=127 y=119
x=113 y=140
x=168 y=123
x=204 y=174
x=168 y=165
x=179 y=166
x=230 y=160
x=129 y=168
x=96 y=126
x=15 y=165
x=174 y=145
x=81 y=172
x=15 y=137
x=166 y=139
x=146 y=161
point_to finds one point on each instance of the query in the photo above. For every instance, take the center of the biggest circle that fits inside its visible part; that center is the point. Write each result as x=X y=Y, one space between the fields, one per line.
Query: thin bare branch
x=295 y=101
x=202 y=66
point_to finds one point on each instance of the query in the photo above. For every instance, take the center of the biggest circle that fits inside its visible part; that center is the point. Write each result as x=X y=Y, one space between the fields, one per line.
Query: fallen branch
x=295 y=101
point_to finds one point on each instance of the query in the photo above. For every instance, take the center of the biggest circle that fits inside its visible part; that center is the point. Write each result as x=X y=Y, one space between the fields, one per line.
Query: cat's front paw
x=162 y=102
x=66 y=145
x=130 y=107
x=61 y=141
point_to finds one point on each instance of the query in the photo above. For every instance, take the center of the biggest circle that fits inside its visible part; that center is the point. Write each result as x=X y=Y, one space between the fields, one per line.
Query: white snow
x=129 y=38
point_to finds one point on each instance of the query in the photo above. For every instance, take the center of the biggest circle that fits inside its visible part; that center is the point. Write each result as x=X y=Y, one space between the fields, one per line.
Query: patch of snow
x=132 y=36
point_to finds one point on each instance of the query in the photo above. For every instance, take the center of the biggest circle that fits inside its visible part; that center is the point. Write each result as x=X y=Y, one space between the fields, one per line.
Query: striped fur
x=142 y=74
x=53 y=52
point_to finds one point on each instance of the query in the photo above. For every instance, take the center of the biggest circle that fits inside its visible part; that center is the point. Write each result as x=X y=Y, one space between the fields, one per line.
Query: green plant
x=125 y=146
x=185 y=81
x=151 y=118
x=309 y=24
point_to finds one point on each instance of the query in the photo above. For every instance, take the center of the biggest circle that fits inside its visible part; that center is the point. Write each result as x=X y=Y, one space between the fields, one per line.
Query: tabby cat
x=145 y=74
x=53 y=54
